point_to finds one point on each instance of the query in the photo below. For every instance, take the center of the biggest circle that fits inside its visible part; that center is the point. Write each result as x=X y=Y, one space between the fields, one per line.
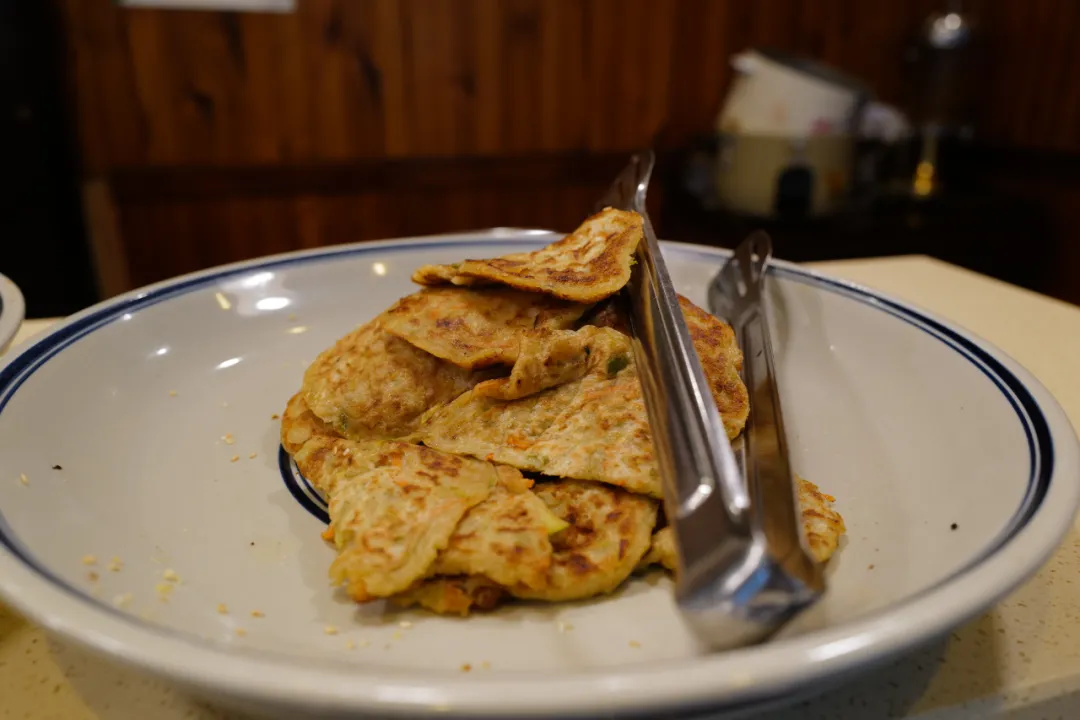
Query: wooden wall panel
x=174 y=107
x=188 y=235
x=346 y=79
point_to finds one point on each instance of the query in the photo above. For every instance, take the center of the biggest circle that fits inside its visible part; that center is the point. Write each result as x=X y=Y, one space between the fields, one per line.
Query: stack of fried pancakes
x=486 y=438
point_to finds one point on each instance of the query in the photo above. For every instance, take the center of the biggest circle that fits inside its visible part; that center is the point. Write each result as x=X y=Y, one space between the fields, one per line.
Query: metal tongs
x=743 y=568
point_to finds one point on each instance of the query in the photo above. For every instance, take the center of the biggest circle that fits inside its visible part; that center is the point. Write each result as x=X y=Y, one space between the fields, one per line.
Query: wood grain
x=345 y=79
x=228 y=135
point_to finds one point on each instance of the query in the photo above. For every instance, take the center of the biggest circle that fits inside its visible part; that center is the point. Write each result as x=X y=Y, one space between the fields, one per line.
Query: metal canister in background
x=943 y=67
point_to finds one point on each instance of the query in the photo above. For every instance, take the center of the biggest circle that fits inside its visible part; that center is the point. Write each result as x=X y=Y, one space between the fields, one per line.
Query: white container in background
x=775 y=94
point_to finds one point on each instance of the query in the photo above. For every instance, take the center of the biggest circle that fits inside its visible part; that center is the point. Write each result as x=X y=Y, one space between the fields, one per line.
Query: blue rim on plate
x=1027 y=409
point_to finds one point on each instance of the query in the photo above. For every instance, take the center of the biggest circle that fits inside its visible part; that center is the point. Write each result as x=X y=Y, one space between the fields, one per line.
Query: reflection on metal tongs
x=743 y=570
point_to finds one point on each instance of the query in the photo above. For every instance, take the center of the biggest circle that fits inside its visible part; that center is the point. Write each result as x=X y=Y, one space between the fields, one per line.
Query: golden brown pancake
x=374 y=385
x=590 y=264
x=476 y=328
x=452 y=595
x=609 y=532
x=505 y=537
x=722 y=360
x=662 y=551
x=393 y=508
x=299 y=424
x=822 y=526
x=546 y=359
x=717 y=349
x=593 y=428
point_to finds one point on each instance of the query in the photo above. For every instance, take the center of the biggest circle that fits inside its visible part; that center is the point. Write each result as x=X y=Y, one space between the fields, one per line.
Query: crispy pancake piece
x=452 y=595
x=374 y=385
x=476 y=328
x=586 y=266
x=594 y=428
x=717 y=349
x=505 y=538
x=547 y=359
x=662 y=551
x=299 y=424
x=328 y=460
x=822 y=526
x=609 y=532
x=393 y=508
x=721 y=360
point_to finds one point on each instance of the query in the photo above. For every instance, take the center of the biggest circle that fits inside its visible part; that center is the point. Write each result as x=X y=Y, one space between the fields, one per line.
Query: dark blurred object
x=975 y=224
x=43 y=246
x=942 y=81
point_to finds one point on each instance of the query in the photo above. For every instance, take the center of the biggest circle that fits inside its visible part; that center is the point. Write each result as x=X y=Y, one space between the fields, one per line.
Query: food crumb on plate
x=23 y=480
x=635 y=644
x=240 y=632
x=330 y=630
x=123 y=600
x=953 y=526
x=870 y=566
x=228 y=438
x=252 y=456
x=350 y=645
x=57 y=467
x=116 y=564
x=257 y=614
x=222 y=609
x=234 y=458
x=466 y=667
x=275 y=416
x=565 y=627
x=92 y=576
x=170 y=575
x=164 y=590
x=89 y=560
x=173 y=393
x=405 y=624
x=397 y=635
x=485 y=665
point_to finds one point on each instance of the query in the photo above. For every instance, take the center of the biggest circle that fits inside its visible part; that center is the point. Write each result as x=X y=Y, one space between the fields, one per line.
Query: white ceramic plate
x=12 y=311
x=956 y=471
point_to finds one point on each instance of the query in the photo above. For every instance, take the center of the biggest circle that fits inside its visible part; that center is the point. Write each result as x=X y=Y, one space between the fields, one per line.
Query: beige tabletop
x=1019 y=661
